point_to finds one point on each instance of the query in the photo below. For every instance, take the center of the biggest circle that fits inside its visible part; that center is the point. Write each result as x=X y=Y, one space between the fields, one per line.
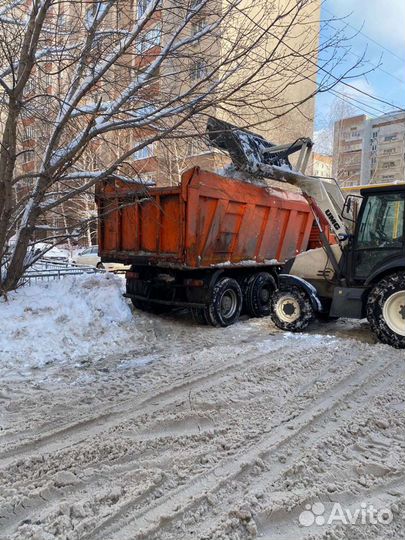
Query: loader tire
x=226 y=302
x=258 y=294
x=386 y=310
x=292 y=310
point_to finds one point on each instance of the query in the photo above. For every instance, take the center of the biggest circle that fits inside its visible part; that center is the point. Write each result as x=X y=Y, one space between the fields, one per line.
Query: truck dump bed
x=208 y=220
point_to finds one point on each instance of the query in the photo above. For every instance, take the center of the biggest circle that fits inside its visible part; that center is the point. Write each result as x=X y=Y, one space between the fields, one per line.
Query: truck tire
x=226 y=302
x=258 y=294
x=386 y=310
x=292 y=310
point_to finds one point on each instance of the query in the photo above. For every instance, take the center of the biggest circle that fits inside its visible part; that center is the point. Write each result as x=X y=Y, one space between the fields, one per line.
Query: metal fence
x=51 y=269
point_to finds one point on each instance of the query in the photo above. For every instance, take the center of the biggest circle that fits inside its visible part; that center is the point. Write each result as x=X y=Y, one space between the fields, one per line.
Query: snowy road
x=193 y=432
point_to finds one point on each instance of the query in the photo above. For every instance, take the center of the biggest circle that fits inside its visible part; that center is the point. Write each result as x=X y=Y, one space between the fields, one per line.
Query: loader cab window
x=380 y=233
x=382 y=223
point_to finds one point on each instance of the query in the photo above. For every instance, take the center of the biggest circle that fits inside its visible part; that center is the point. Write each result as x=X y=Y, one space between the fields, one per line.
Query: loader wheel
x=226 y=302
x=292 y=310
x=258 y=294
x=386 y=310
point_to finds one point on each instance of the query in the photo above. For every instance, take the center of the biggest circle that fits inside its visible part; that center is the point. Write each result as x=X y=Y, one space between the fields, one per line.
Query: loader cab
x=378 y=244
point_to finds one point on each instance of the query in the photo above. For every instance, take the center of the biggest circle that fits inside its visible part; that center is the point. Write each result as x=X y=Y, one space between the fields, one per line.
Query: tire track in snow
x=173 y=505
x=76 y=432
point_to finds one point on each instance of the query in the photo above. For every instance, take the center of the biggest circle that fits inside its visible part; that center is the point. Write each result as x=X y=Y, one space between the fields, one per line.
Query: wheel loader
x=362 y=274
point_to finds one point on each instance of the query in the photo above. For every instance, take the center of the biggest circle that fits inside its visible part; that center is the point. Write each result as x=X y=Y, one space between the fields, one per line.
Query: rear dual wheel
x=259 y=292
x=227 y=300
x=226 y=303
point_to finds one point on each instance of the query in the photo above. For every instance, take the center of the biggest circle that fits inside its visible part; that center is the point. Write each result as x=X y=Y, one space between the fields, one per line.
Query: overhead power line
x=337 y=79
x=367 y=36
x=402 y=81
x=360 y=105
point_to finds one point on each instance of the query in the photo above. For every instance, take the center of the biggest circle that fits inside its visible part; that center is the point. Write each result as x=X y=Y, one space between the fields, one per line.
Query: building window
x=47 y=80
x=392 y=137
x=199 y=70
x=388 y=164
x=95 y=12
x=194 y=4
x=30 y=85
x=143 y=6
x=149 y=40
x=146 y=177
x=198 y=26
x=28 y=156
x=195 y=148
x=144 y=153
x=29 y=133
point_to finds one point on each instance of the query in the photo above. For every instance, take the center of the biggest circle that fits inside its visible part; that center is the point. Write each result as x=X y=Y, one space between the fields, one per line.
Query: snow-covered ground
x=64 y=320
x=115 y=424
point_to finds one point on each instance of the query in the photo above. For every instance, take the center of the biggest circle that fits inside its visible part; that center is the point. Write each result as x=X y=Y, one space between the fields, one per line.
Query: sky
x=382 y=41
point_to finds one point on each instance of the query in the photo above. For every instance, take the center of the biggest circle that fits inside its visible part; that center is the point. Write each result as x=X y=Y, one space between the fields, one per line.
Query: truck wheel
x=226 y=302
x=292 y=310
x=386 y=310
x=258 y=294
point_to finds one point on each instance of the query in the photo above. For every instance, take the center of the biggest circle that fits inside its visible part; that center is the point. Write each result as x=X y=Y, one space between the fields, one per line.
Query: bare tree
x=112 y=78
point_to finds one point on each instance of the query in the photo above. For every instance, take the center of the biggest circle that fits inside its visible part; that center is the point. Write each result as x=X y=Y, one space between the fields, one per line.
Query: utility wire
x=367 y=36
x=337 y=79
x=402 y=81
x=363 y=107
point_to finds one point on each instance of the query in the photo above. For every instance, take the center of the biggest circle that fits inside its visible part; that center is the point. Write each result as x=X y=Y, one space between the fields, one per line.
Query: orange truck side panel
x=208 y=220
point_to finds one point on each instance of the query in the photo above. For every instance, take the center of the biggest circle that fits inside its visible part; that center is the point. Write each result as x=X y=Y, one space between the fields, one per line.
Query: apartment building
x=273 y=104
x=369 y=150
x=347 y=149
x=261 y=105
x=267 y=105
x=322 y=165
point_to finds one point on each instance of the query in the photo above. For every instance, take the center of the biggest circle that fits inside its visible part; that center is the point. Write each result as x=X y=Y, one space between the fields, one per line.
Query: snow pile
x=64 y=320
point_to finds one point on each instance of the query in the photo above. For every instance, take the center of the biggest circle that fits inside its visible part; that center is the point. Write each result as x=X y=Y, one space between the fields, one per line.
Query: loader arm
x=252 y=154
x=326 y=193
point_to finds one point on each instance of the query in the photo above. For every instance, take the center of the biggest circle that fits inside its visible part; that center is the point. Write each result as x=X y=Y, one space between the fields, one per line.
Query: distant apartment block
x=322 y=165
x=369 y=150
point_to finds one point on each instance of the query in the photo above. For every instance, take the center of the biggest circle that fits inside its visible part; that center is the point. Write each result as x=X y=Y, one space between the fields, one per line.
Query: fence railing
x=52 y=269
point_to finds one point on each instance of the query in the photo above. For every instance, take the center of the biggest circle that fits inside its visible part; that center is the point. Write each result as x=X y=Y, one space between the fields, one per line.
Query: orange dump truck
x=212 y=244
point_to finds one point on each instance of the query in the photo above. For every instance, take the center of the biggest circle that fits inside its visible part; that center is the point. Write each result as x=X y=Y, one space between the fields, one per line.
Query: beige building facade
x=274 y=103
x=322 y=165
